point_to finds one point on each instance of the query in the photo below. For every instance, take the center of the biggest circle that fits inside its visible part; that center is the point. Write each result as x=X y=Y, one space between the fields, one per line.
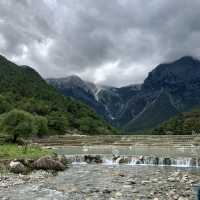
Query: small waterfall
x=133 y=160
x=76 y=159
x=183 y=162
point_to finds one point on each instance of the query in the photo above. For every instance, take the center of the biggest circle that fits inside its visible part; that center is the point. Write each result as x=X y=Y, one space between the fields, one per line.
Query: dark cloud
x=114 y=42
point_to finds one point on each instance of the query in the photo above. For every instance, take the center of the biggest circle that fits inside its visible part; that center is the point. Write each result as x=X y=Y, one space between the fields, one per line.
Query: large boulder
x=48 y=163
x=17 y=167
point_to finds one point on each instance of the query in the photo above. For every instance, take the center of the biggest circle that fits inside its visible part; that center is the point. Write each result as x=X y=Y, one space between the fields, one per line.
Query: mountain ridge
x=178 y=79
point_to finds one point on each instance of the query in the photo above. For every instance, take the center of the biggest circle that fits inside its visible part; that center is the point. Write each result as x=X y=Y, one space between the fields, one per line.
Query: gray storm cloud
x=115 y=42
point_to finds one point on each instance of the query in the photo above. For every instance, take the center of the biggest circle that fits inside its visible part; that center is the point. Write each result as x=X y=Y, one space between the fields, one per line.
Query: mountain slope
x=180 y=80
x=25 y=89
x=76 y=88
x=169 y=89
x=108 y=102
x=156 y=112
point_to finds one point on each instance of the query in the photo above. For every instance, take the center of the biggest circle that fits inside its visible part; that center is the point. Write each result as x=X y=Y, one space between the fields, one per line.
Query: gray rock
x=48 y=163
x=167 y=161
x=156 y=161
x=17 y=167
x=93 y=159
x=123 y=160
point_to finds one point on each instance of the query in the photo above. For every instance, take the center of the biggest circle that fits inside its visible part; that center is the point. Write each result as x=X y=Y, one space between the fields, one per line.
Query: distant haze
x=112 y=42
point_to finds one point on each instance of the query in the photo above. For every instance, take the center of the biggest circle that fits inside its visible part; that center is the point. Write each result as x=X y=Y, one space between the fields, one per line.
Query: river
x=162 y=173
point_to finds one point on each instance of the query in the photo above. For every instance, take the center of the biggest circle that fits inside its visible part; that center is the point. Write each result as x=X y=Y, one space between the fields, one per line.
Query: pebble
x=118 y=194
x=171 y=179
x=127 y=186
x=115 y=183
x=145 y=182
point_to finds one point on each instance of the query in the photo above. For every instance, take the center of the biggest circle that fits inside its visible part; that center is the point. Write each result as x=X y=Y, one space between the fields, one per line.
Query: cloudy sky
x=115 y=42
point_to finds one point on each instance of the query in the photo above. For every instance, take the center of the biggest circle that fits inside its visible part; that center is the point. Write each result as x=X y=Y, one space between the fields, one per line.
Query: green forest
x=29 y=106
x=186 y=123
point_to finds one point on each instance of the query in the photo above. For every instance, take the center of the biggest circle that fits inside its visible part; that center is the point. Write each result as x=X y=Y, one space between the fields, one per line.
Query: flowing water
x=131 y=155
x=101 y=172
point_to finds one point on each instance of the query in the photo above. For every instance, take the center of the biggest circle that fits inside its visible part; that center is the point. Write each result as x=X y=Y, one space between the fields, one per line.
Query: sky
x=111 y=42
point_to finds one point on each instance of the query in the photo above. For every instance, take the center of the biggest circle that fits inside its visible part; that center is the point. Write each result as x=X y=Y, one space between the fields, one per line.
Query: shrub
x=18 y=123
x=4 y=105
x=58 y=122
x=41 y=125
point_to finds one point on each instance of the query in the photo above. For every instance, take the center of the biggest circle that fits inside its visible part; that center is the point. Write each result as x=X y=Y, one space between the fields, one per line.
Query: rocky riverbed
x=101 y=182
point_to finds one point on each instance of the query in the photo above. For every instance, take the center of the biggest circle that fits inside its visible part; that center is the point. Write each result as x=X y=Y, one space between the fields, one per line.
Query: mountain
x=155 y=113
x=75 y=87
x=169 y=89
x=179 y=81
x=107 y=101
x=23 y=88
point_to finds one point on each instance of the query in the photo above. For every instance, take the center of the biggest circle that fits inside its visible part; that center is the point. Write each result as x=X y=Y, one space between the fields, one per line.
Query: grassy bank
x=12 y=151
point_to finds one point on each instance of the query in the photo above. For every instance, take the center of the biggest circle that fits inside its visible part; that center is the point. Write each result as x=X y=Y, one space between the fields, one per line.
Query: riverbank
x=90 y=182
x=143 y=170
x=9 y=152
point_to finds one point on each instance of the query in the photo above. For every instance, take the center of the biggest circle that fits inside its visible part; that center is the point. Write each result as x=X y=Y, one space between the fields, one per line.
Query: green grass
x=12 y=151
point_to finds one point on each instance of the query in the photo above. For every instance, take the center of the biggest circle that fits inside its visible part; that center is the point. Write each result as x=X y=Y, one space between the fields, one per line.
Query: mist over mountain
x=169 y=89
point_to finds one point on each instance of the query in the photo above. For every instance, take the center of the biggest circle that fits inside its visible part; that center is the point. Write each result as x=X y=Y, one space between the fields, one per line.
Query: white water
x=137 y=160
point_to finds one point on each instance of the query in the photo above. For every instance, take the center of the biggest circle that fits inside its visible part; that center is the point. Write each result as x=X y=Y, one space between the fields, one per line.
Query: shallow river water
x=108 y=180
x=92 y=182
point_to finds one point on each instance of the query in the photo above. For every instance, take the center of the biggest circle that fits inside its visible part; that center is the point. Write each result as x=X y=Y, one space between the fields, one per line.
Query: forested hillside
x=184 y=124
x=22 y=88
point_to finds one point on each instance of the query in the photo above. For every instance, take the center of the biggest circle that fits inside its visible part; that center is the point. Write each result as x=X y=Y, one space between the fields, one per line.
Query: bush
x=58 y=122
x=41 y=125
x=4 y=105
x=17 y=123
x=34 y=106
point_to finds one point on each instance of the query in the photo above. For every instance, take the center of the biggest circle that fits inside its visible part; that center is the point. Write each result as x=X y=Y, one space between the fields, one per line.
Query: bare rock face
x=48 y=163
x=17 y=167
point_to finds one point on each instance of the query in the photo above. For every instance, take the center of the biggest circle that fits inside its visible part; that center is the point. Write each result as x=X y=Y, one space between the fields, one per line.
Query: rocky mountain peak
x=186 y=60
x=185 y=70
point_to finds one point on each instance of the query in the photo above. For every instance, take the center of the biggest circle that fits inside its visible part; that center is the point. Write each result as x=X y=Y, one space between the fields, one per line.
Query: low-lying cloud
x=115 y=42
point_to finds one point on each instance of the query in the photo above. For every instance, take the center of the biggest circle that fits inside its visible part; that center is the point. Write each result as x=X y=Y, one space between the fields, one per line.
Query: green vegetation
x=29 y=106
x=12 y=151
x=18 y=123
x=183 y=124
